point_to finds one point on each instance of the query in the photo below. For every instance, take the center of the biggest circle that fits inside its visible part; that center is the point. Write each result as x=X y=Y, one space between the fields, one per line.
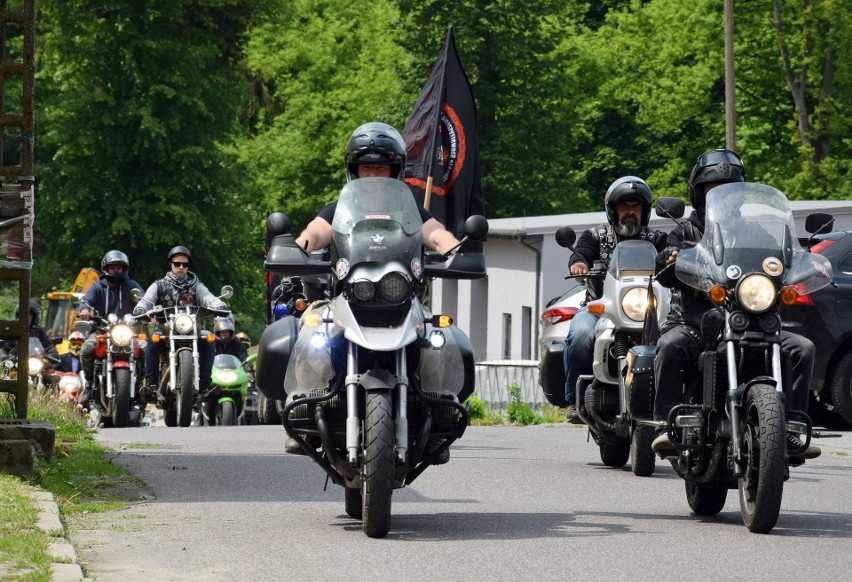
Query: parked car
x=555 y=322
x=825 y=317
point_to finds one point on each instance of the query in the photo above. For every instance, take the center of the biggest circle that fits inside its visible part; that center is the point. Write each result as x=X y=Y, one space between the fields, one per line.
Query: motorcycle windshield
x=632 y=256
x=35 y=347
x=376 y=219
x=226 y=362
x=749 y=228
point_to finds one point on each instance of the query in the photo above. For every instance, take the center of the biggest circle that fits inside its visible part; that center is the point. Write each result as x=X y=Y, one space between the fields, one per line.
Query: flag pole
x=428 y=196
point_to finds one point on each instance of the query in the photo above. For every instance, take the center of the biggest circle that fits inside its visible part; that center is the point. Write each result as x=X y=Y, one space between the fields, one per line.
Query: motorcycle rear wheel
x=186 y=389
x=377 y=481
x=764 y=445
x=705 y=500
x=353 y=502
x=121 y=402
x=229 y=413
x=642 y=457
x=614 y=455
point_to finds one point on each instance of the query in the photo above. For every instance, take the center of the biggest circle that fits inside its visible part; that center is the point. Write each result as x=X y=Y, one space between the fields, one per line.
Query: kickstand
x=588 y=434
x=327 y=479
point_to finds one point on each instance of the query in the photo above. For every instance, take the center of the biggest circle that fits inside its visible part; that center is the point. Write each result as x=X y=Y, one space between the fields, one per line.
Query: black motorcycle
x=372 y=383
x=730 y=431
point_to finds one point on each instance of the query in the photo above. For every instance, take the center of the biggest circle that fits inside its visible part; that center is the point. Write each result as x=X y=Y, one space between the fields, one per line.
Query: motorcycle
x=68 y=388
x=730 y=431
x=37 y=363
x=371 y=382
x=230 y=381
x=624 y=292
x=178 y=394
x=116 y=380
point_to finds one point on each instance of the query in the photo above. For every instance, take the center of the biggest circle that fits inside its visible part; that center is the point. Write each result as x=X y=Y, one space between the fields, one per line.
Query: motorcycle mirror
x=670 y=207
x=566 y=237
x=475 y=227
x=136 y=295
x=819 y=222
x=277 y=224
x=227 y=292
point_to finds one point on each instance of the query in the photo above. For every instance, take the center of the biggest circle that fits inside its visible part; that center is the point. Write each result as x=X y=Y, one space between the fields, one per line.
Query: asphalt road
x=513 y=503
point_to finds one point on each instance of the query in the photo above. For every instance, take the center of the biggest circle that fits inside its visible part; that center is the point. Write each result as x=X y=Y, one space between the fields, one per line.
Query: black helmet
x=34 y=309
x=179 y=250
x=115 y=258
x=719 y=166
x=375 y=143
x=223 y=324
x=628 y=188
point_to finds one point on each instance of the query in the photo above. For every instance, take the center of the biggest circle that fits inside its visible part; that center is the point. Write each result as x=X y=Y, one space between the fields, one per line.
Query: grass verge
x=80 y=476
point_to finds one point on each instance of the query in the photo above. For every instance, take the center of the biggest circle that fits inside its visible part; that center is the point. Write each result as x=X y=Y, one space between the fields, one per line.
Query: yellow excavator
x=62 y=307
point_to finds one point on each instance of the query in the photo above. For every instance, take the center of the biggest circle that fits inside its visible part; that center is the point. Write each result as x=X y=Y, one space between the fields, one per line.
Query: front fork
x=353 y=421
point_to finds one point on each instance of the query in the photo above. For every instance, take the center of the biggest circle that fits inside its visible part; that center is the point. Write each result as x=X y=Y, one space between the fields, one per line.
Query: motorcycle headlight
x=363 y=290
x=121 y=335
x=394 y=287
x=634 y=303
x=129 y=319
x=183 y=324
x=112 y=319
x=35 y=365
x=227 y=377
x=756 y=293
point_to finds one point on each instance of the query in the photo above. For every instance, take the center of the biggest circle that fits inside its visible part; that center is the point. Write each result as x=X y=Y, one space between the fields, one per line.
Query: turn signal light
x=301 y=304
x=788 y=296
x=717 y=294
x=596 y=308
x=210 y=338
x=442 y=320
x=155 y=337
x=142 y=337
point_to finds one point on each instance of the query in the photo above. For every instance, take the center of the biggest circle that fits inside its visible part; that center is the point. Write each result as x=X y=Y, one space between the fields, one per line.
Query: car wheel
x=841 y=388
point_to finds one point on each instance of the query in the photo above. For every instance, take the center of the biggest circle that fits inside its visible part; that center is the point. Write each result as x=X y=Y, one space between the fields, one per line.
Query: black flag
x=440 y=137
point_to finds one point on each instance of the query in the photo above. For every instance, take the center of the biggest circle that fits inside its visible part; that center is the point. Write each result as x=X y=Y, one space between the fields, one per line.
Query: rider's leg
x=579 y=351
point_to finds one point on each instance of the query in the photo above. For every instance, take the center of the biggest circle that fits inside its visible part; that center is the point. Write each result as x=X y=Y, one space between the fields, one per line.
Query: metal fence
x=493 y=379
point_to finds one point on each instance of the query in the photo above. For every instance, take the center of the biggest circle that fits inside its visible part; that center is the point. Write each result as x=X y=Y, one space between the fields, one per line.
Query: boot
x=796 y=449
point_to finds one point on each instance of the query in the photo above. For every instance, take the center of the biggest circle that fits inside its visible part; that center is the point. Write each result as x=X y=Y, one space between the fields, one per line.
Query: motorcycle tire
x=642 y=458
x=764 y=448
x=614 y=455
x=705 y=501
x=267 y=412
x=209 y=413
x=121 y=402
x=377 y=480
x=352 y=502
x=170 y=417
x=186 y=388
x=229 y=413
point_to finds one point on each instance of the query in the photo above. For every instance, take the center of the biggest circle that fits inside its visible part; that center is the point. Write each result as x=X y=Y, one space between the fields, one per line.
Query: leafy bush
x=478 y=410
x=519 y=412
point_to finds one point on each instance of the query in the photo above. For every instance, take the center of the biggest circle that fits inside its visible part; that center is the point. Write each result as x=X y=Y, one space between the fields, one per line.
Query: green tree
x=136 y=101
x=321 y=69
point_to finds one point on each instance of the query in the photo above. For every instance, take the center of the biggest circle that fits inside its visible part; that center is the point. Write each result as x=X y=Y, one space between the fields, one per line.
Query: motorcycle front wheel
x=764 y=450
x=229 y=413
x=377 y=481
x=614 y=455
x=186 y=389
x=121 y=402
x=705 y=501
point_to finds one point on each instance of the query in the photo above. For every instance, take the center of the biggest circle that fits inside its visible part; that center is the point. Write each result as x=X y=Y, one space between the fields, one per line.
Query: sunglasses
x=180 y=265
x=713 y=157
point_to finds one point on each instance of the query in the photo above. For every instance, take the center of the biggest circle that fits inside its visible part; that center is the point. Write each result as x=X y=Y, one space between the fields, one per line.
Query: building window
x=526 y=333
x=507 y=336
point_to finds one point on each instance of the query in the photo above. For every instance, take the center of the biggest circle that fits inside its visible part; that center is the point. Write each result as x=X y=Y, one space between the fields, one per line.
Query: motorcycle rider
x=109 y=295
x=70 y=361
x=226 y=342
x=180 y=286
x=36 y=331
x=680 y=343
x=244 y=338
x=628 y=210
x=374 y=150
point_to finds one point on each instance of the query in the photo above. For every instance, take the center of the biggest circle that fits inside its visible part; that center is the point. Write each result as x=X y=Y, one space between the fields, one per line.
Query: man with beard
x=628 y=209
x=180 y=286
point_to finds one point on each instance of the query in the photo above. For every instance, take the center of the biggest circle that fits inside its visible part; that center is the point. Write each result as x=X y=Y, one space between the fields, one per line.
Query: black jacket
x=688 y=305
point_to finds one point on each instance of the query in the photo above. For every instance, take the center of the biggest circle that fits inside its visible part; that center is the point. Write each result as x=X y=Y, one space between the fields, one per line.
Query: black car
x=825 y=317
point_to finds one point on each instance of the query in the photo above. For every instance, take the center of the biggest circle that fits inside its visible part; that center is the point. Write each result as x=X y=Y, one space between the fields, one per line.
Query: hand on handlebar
x=579 y=268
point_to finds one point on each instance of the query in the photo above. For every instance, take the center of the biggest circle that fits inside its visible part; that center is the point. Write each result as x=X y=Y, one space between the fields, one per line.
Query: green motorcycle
x=230 y=386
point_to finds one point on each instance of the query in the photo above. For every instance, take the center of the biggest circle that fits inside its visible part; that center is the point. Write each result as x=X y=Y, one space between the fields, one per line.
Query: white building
x=526 y=268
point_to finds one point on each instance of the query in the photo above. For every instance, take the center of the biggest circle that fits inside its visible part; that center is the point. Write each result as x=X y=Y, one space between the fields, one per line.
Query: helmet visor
x=714 y=157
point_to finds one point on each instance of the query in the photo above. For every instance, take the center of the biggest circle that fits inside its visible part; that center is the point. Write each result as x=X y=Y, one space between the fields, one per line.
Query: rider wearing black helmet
x=680 y=342
x=374 y=150
x=226 y=339
x=110 y=294
x=179 y=286
x=36 y=331
x=628 y=208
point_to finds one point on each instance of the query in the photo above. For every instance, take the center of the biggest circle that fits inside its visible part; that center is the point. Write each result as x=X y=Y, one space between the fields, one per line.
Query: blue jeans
x=579 y=351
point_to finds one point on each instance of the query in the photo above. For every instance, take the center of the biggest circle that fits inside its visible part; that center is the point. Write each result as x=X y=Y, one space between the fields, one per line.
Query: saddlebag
x=450 y=370
x=273 y=354
x=639 y=382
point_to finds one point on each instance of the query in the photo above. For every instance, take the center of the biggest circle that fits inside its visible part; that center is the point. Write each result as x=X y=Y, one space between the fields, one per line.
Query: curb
x=49 y=522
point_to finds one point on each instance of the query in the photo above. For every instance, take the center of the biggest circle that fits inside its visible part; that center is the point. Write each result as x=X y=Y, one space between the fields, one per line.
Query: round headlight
x=129 y=319
x=634 y=303
x=394 y=287
x=35 y=365
x=121 y=335
x=227 y=376
x=112 y=319
x=363 y=290
x=756 y=293
x=183 y=324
